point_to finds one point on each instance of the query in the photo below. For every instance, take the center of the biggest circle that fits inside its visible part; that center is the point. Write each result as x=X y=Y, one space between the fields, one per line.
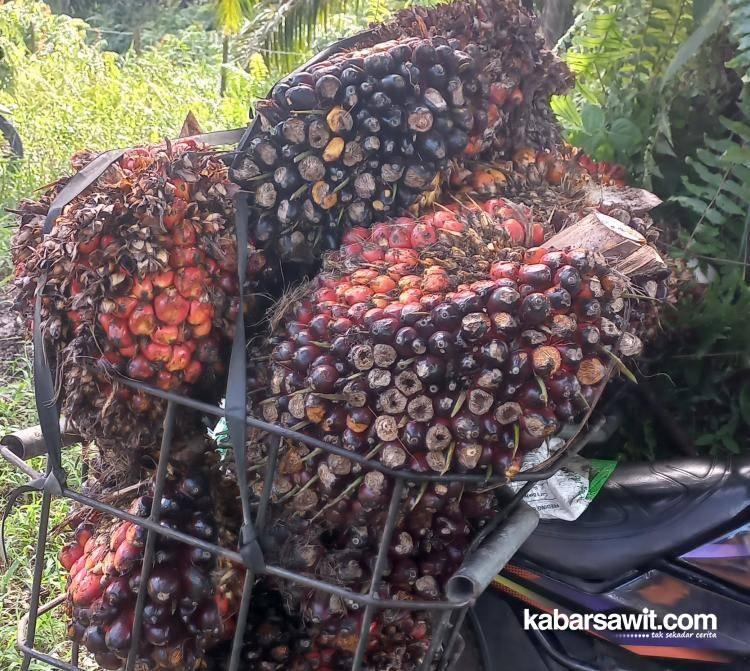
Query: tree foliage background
x=663 y=87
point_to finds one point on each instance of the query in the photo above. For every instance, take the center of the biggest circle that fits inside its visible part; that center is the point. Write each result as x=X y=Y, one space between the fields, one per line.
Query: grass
x=17 y=411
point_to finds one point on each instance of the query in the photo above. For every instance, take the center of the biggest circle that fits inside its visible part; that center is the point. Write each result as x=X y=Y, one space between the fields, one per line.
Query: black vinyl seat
x=645 y=511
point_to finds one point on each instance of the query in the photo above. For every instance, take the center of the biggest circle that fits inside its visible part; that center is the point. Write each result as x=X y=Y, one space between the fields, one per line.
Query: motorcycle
x=672 y=537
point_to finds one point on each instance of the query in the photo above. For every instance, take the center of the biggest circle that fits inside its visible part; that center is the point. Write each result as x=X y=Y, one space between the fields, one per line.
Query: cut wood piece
x=636 y=201
x=644 y=262
x=599 y=233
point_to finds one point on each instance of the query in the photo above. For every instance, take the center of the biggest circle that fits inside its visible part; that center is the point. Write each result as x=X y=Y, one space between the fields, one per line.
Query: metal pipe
x=74 y=651
x=480 y=568
x=55 y=663
x=448 y=651
x=273 y=458
x=29 y=442
x=19 y=463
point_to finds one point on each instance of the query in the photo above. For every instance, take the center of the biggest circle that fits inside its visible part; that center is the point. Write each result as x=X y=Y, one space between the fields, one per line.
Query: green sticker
x=601 y=469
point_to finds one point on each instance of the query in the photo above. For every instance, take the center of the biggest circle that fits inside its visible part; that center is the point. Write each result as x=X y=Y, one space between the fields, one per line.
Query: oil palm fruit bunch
x=523 y=173
x=438 y=344
x=555 y=189
x=275 y=640
x=373 y=129
x=559 y=190
x=521 y=69
x=139 y=278
x=608 y=174
x=444 y=359
x=556 y=184
x=336 y=539
x=190 y=598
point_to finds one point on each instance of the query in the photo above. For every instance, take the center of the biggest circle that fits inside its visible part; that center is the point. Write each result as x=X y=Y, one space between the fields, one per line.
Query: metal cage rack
x=503 y=534
x=487 y=554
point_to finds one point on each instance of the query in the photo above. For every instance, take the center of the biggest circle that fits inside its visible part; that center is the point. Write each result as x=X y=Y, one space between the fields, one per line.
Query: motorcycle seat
x=644 y=512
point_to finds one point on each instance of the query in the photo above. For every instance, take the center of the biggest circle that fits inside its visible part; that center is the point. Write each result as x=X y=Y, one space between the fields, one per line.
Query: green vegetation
x=662 y=87
x=66 y=93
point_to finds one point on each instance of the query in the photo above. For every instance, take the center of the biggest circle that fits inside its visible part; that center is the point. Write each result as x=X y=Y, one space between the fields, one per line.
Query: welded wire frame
x=249 y=553
x=448 y=612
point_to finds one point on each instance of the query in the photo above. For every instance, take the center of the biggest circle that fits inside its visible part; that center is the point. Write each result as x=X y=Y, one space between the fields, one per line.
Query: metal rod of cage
x=150 y=549
x=36 y=584
x=377 y=573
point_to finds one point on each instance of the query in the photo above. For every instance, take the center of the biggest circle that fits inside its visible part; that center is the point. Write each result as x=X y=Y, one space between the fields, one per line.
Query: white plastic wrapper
x=564 y=495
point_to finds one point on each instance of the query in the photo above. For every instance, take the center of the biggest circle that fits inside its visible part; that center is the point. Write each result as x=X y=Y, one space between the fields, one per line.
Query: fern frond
x=740 y=32
x=711 y=24
x=718 y=190
x=624 y=53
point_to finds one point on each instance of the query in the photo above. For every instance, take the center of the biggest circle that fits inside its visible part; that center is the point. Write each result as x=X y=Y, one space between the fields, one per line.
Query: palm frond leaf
x=231 y=15
x=285 y=31
x=740 y=31
x=719 y=190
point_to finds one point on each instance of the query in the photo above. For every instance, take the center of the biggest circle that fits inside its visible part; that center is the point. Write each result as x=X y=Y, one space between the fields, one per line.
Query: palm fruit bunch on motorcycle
x=447 y=343
x=375 y=128
x=138 y=277
x=191 y=597
x=337 y=539
x=279 y=640
x=441 y=350
x=561 y=186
